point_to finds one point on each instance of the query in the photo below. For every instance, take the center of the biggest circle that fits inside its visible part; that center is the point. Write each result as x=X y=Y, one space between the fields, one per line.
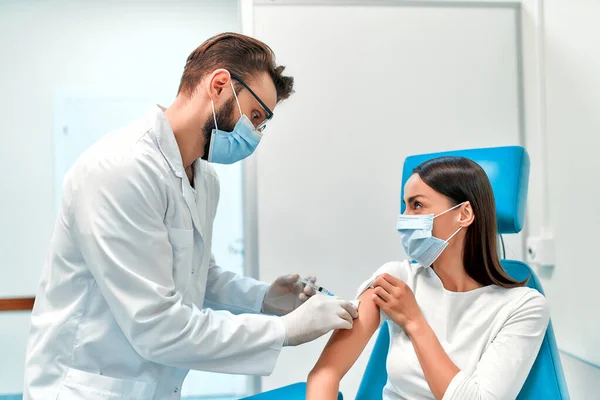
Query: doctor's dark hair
x=239 y=54
x=460 y=180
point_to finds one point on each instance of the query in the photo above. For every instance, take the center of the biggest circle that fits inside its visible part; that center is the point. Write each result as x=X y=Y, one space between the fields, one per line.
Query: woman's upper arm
x=345 y=346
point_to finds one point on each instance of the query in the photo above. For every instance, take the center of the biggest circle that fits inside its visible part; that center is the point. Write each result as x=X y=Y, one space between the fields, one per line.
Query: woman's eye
x=255 y=115
x=418 y=205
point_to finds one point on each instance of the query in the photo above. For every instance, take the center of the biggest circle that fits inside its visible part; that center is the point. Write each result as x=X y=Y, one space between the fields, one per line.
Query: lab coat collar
x=170 y=150
x=166 y=140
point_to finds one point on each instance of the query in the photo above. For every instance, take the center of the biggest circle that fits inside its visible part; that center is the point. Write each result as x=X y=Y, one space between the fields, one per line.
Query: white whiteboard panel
x=374 y=84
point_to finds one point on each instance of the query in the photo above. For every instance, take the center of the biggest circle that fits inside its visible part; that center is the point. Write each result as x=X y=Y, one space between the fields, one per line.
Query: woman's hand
x=398 y=301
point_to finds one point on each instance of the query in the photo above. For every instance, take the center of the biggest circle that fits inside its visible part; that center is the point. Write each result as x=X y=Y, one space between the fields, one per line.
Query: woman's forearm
x=322 y=384
x=438 y=368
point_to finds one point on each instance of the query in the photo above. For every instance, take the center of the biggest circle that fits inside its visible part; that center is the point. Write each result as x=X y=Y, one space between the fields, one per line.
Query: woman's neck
x=451 y=271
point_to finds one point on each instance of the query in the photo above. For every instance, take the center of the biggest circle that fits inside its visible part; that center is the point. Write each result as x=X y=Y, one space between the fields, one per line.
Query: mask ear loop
x=454 y=234
x=236 y=99
x=212 y=103
x=450 y=209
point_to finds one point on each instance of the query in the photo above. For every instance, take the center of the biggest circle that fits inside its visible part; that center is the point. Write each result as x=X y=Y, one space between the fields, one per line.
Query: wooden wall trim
x=17 y=304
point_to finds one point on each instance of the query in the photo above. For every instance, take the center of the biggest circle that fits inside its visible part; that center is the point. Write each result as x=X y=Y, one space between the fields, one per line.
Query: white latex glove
x=317 y=316
x=286 y=294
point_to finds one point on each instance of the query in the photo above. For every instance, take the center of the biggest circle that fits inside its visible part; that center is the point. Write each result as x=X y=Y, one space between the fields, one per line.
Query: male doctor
x=130 y=297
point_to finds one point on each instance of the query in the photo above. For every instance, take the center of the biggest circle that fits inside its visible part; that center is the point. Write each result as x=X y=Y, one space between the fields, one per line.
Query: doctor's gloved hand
x=286 y=294
x=317 y=316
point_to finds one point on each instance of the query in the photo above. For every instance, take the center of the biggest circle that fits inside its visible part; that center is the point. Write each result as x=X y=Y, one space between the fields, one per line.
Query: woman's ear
x=466 y=215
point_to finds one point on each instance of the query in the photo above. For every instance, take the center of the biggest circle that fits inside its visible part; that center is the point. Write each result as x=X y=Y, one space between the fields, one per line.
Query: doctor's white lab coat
x=119 y=310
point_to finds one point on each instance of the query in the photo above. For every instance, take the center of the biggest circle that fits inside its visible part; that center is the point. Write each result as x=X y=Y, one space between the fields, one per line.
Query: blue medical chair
x=508 y=171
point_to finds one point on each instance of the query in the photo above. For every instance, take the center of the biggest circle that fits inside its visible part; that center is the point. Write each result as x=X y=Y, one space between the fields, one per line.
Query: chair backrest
x=508 y=171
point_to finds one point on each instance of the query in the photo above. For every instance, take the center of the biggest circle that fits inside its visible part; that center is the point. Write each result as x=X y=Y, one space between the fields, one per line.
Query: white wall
x=582 y=378
x=573 y=126
x=116 y=47
x=14 y=328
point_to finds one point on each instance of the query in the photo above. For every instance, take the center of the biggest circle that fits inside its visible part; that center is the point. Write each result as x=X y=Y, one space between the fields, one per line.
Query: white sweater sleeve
x=505 y=365
x=396 y=269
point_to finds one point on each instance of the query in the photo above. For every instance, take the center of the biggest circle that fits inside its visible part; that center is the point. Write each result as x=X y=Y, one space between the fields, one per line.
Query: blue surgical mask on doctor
x=230 y=147
x=416 y=233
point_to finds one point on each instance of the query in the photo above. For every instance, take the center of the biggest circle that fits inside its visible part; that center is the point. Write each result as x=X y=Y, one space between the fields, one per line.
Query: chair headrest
x=508 y=171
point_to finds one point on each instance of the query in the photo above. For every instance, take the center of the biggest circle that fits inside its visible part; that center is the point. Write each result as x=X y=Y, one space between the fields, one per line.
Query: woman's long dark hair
x=460 y=180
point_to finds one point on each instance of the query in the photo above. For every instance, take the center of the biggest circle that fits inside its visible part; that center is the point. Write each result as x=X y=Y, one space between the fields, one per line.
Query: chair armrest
x=297 y=391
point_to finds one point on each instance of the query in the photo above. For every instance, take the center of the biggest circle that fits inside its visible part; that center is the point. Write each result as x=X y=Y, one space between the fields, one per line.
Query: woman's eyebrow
x=413 y=198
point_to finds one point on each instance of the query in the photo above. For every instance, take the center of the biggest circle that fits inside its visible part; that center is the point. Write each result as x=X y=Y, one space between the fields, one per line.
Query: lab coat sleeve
x=505 y=365
x=118 y=213
x=226 y=290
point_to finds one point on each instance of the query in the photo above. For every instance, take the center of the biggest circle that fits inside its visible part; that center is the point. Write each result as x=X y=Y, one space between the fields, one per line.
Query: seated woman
x=460 y=327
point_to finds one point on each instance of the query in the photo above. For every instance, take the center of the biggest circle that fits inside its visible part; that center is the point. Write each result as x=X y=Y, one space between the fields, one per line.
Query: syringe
x=319 y=289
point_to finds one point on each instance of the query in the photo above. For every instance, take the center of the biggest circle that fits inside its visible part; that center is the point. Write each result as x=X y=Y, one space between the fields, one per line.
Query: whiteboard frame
x=250 y=175
x=400 y=3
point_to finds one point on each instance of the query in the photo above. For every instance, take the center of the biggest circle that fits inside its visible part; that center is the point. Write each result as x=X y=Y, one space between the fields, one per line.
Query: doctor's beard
x=224 y=121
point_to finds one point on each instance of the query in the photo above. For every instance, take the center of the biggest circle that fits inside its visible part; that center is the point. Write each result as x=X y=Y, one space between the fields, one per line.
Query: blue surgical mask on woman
x=416 y=233
x=230 y=147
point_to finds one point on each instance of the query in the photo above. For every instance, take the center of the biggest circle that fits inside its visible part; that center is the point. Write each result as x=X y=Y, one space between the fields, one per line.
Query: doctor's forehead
x=263 y=86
